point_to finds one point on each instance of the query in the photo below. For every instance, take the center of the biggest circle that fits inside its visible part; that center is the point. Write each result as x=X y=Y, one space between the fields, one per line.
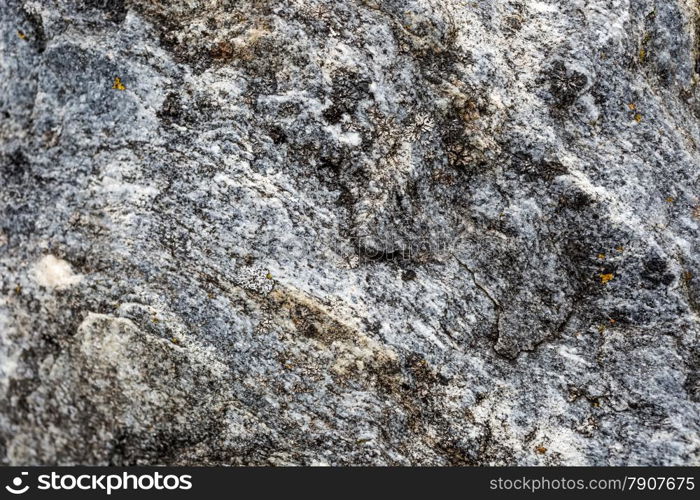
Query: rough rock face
x=350 y=232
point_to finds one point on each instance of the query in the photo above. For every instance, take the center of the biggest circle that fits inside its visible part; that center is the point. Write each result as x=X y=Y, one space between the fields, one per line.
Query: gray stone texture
x=346 y=232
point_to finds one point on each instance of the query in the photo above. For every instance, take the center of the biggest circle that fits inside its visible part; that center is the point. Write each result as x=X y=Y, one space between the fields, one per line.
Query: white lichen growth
x=54 y=273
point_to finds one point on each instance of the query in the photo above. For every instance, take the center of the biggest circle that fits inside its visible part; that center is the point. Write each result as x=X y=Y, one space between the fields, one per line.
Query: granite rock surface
x=429 y=232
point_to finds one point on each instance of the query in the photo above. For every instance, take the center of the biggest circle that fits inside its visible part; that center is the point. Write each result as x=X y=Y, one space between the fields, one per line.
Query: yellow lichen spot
x=620 y=248
x=175 y=340
x=670 y=199
x=540 y=449
x=21 y=34
x=632 y=106
x=604 y=278
x=602 y=328
x=642 y=54
x=118 y=85
x=601 y=256
x=638 y=117
x=155 y=320
x=268 y=276
x=595 y=403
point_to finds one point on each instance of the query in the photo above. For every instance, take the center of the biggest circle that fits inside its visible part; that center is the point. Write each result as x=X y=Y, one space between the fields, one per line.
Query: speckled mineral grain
x=349 y=232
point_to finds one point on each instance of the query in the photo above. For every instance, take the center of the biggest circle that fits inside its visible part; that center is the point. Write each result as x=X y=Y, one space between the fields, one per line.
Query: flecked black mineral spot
x=408 y=275
x=566 y=84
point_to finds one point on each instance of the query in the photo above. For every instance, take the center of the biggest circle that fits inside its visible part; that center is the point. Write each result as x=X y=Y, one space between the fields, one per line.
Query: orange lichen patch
x=21 y=34
x=620 y=248
x=638 y=117
x=118 y=85
x=605 y=278
x=632 y=106
x=687 y=276
x=540 y=449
